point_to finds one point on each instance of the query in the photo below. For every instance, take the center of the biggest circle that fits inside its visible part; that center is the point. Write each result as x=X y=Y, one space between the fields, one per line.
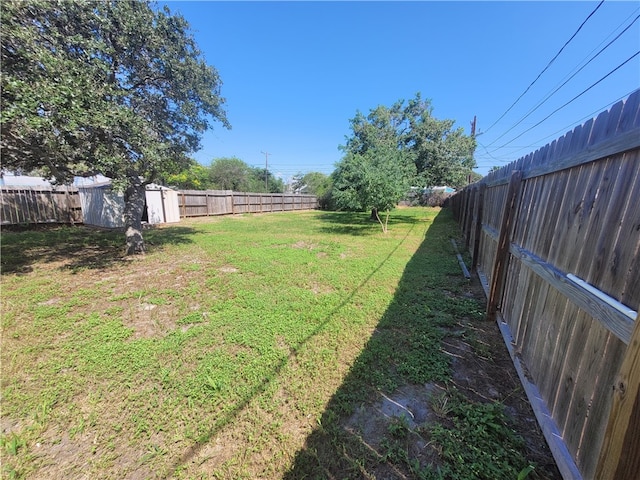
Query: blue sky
x=294 y=73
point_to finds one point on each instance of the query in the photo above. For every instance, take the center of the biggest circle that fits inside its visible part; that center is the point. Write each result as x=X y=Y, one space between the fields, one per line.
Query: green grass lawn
x=238 y=347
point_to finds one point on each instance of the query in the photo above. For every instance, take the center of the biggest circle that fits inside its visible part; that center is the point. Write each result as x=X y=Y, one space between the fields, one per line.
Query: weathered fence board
x=39 y=205
x=195 y=203
x=63 y=204
x=571 y=284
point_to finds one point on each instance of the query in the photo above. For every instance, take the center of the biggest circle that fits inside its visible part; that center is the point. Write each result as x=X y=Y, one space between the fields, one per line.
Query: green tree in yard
x=195 y=177
x=110 y=87
x=376 y=179
x=230 y=174
x=394 y=148
x=441 y=154
x=312 y=183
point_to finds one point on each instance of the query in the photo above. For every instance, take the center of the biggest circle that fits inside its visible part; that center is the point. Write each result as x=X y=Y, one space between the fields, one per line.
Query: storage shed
x=162 y=205
x=104 y=207
x=101 y=206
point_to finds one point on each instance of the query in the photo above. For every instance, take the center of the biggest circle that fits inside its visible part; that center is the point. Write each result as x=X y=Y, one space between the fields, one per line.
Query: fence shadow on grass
x=373 y=424
x=260 y=388
x=388 y=358
x=77 y=247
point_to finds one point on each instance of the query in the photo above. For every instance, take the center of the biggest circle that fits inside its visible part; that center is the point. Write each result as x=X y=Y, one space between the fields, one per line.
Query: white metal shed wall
x=101 y=206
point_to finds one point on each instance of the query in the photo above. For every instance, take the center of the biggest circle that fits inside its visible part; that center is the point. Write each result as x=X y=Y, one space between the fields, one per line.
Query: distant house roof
x=95 y=181
x=11 y=180
x=443 y=188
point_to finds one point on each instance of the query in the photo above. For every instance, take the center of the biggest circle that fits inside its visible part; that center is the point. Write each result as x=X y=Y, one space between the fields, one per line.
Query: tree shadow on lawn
x=78 y=246
x=360 y=223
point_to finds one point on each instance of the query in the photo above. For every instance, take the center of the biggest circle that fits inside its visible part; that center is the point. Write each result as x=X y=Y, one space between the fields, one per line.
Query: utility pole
x=266 y=171
x=473 y=135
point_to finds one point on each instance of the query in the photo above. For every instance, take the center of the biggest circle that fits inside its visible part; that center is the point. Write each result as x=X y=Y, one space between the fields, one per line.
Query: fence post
x=478 y=224
x=471 y=206
x=619 y=457
x=504 y=239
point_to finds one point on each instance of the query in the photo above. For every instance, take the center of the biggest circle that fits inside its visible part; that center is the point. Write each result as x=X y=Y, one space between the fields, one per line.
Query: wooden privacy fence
x=555 y=238
x=194 y=203
x=39 y=205
x=44 y=204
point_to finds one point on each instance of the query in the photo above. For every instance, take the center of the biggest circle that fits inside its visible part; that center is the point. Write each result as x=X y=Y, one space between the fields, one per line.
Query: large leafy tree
x=111 y=87
x=441 y=154
x=230 y=174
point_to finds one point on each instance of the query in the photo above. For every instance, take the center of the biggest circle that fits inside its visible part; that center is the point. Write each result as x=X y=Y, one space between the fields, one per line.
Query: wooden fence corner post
x=619 y=455
x=504 y=239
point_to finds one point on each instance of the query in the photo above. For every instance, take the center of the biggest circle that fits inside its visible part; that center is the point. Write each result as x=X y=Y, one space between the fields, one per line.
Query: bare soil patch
x=490 y=377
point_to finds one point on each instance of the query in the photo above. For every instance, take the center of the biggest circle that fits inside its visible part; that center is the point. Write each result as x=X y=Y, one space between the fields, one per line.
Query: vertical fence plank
x=579 y=205
x=502 y=252
x=619 y=457
x=478 y=226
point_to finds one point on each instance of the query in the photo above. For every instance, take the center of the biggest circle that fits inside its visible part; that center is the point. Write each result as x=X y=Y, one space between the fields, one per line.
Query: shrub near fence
x=195 y=203
x=555 y=238
x=22 y=205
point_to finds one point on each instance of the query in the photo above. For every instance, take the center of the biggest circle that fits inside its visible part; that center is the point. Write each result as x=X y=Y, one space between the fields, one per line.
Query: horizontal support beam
x=616 y=320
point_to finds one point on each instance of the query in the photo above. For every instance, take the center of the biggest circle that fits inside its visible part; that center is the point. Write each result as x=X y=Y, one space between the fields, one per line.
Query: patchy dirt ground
x=491 y=377
x=480 y=378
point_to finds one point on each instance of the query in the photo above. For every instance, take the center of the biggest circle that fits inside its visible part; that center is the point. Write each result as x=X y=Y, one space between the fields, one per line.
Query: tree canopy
x=230 y=174
x=441 y=154
x=226 y=173
x=110 y=87
x=393 y=148
x=376 y=179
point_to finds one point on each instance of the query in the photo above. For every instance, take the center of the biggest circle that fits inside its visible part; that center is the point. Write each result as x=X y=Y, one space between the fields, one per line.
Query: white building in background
x=101 y=205
x=10 y=180
x=104 y=207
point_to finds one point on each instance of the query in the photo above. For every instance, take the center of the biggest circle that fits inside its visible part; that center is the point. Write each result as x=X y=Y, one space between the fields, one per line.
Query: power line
x=543 y=101
x=574 y=98
x=554 y=135
x=547 y=67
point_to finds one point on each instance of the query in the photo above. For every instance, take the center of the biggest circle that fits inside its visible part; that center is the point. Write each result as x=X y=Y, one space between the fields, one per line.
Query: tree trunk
x=374 y=215
x=134 y=199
